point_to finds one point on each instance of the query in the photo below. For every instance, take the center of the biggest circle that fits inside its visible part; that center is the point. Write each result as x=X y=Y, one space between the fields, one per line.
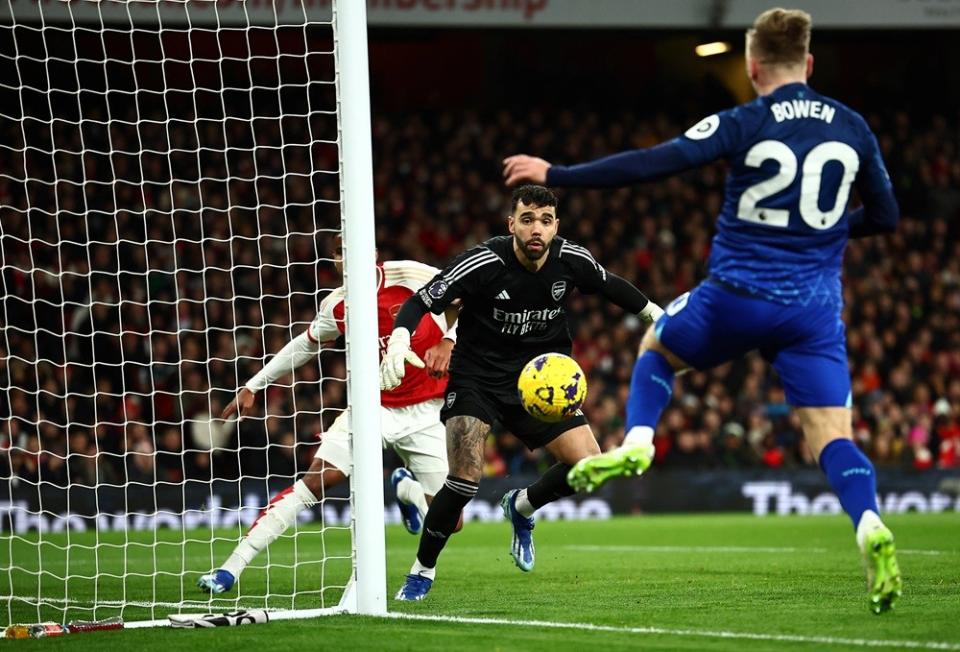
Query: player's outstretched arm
x=292 y=356
x=241 y=404
x=620 y=169
x=626 y=295
x=521 y=168
x=711 y=138
x=592 y=278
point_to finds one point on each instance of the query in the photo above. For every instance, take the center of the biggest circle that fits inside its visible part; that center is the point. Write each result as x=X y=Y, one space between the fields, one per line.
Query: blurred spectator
x=732 y=451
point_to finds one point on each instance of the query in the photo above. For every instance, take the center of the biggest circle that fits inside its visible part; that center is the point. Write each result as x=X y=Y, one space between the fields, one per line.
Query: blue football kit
x=774 y=279
x=775 y=263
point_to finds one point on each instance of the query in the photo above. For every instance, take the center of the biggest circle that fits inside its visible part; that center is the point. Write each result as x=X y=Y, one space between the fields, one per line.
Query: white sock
x=524 y=508
x=639 y=436
x=274 y=522
x=423 y=571
x=411 y=491
x=869 y=522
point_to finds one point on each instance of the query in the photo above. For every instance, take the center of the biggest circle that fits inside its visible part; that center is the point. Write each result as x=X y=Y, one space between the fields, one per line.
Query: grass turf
x=723 y=573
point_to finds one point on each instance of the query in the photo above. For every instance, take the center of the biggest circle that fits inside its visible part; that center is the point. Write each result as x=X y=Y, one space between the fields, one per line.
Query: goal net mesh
x=169 y=202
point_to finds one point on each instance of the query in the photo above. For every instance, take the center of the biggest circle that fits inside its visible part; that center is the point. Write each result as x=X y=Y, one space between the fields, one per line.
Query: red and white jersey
x=396 y=281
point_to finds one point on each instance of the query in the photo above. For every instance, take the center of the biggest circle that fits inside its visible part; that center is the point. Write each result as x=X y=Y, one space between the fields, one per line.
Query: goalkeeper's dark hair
x=780 y=37
x=532 y=195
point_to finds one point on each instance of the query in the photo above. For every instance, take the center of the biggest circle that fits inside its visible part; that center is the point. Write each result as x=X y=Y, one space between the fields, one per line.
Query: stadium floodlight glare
x=712 y=48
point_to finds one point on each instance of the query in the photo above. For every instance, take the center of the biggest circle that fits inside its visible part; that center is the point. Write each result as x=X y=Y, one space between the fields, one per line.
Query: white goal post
x=363 y=385
x=173 y=179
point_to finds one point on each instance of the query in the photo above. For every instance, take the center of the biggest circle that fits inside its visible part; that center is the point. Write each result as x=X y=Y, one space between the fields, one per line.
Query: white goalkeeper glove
x=392 y=368
x=650 y=313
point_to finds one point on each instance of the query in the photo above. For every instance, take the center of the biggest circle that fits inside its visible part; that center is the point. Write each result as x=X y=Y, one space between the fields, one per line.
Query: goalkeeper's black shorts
x=472 y=397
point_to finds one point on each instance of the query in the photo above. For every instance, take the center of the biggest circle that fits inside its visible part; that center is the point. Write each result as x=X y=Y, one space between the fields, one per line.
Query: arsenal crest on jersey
x=558 y=290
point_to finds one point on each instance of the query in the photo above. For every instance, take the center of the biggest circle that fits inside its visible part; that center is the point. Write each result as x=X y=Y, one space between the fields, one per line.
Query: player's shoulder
x=499 y=245
x=569 y=250
x=577 y=256
x=726 y=127
x=334 y=298
x=852 y=117
x=490 y=254
x=407 y=271
x=846 y=124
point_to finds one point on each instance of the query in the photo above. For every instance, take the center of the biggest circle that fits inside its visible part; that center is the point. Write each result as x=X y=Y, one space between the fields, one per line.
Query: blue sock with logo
x=852 y=477
x=650 y=390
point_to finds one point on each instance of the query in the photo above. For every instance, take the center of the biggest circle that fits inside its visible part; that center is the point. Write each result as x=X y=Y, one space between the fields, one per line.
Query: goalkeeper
x=410 y=416
x=514 y=291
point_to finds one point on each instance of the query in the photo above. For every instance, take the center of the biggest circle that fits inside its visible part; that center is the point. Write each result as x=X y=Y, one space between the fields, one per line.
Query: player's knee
x=321 y=475
x=648 y=340
x=651 y=343
x=588 y=449
x=574 y=445
x=823 y=425
x=467 y=471
x=467 y=463
x=314 y=483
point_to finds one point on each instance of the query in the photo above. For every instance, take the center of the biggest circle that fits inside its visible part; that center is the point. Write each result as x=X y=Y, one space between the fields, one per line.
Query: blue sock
x=650 y=390
x=852 y=477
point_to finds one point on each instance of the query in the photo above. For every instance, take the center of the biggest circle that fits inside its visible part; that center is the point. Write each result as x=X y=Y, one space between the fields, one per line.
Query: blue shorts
x=713 y=324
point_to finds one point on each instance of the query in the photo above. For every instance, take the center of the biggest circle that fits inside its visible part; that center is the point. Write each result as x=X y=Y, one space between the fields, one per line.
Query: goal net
x=173 y=180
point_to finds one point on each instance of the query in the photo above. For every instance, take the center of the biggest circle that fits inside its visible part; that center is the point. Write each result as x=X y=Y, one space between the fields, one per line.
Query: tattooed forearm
x=465 y=439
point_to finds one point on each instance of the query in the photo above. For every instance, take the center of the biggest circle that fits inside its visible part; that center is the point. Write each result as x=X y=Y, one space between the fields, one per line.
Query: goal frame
x=363 y=386
x=365 y=592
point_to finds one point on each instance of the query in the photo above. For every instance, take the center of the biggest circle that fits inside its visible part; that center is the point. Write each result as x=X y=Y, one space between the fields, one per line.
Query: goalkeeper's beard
x=534 y=254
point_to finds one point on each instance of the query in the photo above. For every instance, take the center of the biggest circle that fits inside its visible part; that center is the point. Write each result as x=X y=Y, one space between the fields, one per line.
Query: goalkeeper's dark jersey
x=510 y=314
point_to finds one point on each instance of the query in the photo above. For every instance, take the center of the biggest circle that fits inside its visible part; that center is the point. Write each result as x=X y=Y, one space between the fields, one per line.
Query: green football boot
x=591 y=473
x=883 y=572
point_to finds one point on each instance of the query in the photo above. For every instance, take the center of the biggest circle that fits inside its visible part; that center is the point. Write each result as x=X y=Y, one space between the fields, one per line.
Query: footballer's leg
x=703 y=328
x=816 y=380
x=519 y=505
x=852 y=476
x=273 y=521
x=416 y=434
x=411 y=498
x=651 y=387
x=465 y=439
x=331 y=465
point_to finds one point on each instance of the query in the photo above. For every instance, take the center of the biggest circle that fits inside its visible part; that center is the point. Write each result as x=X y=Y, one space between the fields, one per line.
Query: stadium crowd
x=140 y=290
x=902 y=292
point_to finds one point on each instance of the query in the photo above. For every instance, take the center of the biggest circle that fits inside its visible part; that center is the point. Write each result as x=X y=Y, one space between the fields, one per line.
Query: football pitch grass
x=691 y=582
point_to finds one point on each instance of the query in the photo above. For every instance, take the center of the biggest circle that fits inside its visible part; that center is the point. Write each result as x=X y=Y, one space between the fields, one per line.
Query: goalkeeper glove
x=650 y=313
x=392 y=368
